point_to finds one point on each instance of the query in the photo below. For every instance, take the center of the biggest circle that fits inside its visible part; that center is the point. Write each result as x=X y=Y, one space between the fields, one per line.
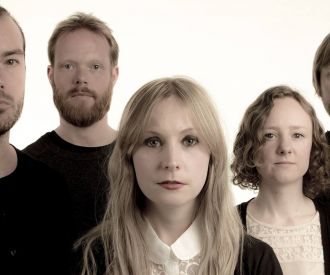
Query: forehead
x=81 y=41
x=11 y=37
x=170 y=112
x=288 y=112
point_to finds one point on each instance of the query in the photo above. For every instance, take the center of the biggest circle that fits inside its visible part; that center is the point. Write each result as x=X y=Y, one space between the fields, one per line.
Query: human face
x=82 y=77
x=171 y=164
x=325 y=87
x=284 y=156
x=12 y=73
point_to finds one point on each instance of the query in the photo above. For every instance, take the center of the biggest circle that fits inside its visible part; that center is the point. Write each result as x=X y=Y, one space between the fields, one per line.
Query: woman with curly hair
x=170 y=208
x=281 y=151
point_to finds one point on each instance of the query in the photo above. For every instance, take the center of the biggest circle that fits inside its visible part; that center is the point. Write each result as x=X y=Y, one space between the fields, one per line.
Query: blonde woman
x=170 y=207
x=281 y=150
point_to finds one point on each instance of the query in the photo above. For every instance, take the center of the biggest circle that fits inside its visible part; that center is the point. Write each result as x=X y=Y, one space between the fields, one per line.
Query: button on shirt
x=181 y=258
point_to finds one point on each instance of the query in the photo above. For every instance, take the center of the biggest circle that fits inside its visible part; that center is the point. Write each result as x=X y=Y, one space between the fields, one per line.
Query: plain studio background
x=235 y=49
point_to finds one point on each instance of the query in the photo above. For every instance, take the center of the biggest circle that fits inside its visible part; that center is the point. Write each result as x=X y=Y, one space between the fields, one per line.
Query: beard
x=77 y=113
x=8 y=122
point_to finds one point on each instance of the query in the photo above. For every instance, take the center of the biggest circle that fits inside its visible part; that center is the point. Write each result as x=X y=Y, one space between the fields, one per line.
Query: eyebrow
x=290 y=127
x=13 y=52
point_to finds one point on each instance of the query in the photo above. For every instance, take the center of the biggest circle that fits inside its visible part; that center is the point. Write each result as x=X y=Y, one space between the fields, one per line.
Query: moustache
x=84 y=91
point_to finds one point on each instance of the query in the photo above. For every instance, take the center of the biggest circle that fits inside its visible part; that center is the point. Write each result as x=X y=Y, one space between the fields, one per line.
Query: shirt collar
x=187 y=246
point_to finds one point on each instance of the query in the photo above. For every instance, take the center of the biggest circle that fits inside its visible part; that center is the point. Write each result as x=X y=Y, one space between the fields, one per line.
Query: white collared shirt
x=181 y=258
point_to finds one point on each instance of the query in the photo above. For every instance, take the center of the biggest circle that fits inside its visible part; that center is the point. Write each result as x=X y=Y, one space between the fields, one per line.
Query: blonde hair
x=249 y=139
x=119 y=236
x=89 y=22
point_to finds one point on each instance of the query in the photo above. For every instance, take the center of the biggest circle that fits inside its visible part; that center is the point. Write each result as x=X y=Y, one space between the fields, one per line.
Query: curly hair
x=250 y=139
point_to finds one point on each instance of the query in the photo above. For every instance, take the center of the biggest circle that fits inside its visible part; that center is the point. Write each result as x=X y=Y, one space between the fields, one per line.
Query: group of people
x=155 y=196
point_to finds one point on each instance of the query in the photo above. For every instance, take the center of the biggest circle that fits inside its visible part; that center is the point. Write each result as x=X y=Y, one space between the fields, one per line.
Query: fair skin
x=12 y=82
x=282 y=162
x=325 y=87
x=82 y=61
x=171 y=167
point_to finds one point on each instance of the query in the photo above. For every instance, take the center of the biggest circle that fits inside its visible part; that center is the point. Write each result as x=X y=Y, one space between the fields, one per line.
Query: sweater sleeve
x=259 y=258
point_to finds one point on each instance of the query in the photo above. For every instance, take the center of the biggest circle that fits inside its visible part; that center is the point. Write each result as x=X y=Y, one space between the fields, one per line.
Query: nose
x=81 y=77
x=284 y=146
x=2 y=85
x=170 y=158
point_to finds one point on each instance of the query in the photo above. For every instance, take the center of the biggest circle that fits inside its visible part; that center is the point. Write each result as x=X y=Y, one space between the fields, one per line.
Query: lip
x=82 y=94
x=171 y=185
x=4 y=102
x=284 y=162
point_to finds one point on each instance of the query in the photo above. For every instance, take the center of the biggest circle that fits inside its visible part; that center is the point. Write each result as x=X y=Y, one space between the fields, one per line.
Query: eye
x=152 y=142
x=12 y=61
x=96 y=67
x=68 y=66
x=269 y=135
x=298 y=135
x=190 y=140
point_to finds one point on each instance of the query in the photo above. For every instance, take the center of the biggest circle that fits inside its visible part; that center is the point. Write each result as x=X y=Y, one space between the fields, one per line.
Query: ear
x=50 y=74
x=114 y=75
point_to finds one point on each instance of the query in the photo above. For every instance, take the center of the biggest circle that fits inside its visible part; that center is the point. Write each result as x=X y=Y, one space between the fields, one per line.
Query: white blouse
x=181 y=258
x=298 y=248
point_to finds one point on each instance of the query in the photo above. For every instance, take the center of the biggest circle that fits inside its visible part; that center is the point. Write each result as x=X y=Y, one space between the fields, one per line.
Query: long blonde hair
x=119 y=237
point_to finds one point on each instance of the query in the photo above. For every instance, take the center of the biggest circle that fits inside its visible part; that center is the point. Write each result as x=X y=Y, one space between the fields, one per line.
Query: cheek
x=306 y=152
x=60 y=79
x=141 y=167
x=200 y=167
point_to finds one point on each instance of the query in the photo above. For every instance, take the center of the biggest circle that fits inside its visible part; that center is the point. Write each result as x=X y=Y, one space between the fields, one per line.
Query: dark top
x=34 y=220
x=258 y=258
x=324 y=210
x=85 y=172
x=327 y=134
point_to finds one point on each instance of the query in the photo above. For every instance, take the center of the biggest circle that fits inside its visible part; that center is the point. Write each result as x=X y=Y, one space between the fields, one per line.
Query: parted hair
x=321 y=59
x=3 y=12
x=249 y=140
x=89 y=22
x=118 y=238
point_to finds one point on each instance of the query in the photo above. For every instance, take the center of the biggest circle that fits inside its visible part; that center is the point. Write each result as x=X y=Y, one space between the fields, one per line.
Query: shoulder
x=38 y=174
x=242 y=208
x=259 y=258
x=29 y=164
x=322 y=201
x=40 y=144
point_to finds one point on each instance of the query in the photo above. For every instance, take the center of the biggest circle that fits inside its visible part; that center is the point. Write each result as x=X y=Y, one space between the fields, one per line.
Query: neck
x=282 y=205
x=8 y=160
x=170 y=223
x=98 y=134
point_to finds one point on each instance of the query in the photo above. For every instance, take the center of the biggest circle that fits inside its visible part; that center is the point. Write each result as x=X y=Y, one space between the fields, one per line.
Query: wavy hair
x=89 y=22
x=250 y=139
x=119 y=236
